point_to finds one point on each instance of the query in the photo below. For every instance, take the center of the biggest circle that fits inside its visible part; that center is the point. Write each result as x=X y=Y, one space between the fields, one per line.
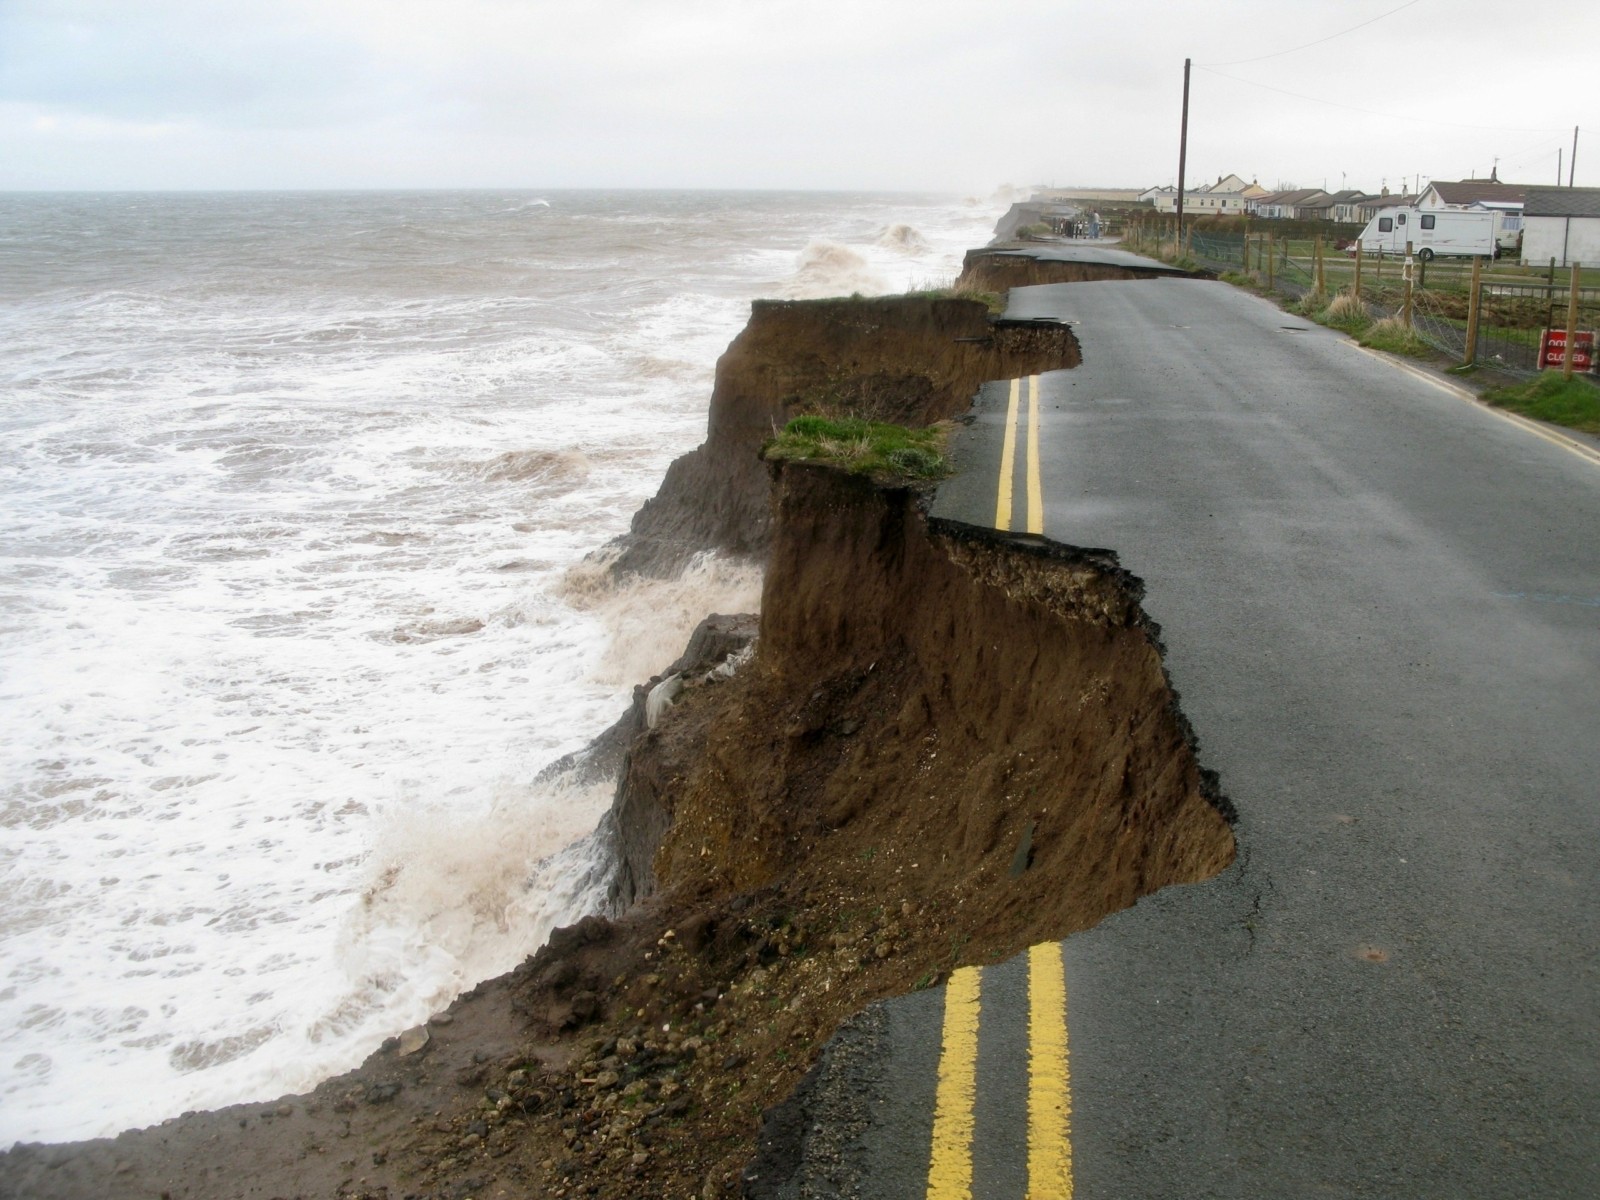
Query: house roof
x=1226 y=183
x=1469 y=191
x=1298 y=198
x=1562 y=202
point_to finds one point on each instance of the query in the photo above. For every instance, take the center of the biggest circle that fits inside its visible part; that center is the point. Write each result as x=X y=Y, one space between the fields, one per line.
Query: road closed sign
x=1553 y=349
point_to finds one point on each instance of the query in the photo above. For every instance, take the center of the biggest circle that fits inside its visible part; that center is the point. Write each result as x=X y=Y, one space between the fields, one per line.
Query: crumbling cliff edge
x=908 y=360
x=947 y=743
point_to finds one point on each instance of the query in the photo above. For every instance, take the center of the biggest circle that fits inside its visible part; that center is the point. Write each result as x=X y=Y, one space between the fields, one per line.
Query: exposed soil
x=949 y=744
x=909 y=360
x=999 y=269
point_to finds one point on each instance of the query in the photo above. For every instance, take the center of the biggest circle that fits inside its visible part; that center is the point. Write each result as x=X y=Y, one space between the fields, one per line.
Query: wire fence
x=1516 y=305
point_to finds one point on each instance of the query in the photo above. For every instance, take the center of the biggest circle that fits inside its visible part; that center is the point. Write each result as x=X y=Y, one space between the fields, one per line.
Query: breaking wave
x=831 y=269
x=904 y=238
x=649 y=620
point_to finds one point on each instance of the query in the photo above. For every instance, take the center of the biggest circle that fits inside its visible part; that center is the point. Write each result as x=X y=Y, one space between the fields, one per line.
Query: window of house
x=1427 y=220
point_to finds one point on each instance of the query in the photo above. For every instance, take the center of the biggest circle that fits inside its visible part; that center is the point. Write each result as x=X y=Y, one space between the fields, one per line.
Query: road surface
x=1381 y=606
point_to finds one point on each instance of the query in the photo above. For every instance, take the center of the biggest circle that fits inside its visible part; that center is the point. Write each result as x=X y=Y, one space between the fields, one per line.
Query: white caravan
x=1430 y=232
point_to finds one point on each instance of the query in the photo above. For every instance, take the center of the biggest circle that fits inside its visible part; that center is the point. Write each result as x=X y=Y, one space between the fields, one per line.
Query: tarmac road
x=1381 y=606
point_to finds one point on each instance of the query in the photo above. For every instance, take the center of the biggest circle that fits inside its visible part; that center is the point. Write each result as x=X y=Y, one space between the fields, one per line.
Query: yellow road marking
x=1049 y=1081
x=1035 y=492
x=950 y=1166
x=1008 y=461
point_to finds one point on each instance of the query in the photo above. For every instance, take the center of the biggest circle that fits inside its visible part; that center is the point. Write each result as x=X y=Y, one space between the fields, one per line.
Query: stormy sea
x=301 y=492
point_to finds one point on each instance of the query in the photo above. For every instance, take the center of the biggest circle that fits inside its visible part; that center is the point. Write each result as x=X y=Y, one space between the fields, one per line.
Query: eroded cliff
x=999 y=270
x=910 y=360
x=949 y=743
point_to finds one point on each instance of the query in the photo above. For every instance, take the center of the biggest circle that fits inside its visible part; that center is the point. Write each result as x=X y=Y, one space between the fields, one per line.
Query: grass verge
x=1391 y=336
x=863 y=447
x=1552 y=397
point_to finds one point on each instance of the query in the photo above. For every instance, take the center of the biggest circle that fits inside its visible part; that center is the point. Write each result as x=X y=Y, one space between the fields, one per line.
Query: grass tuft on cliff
x=995 y=302
x=863 y=447
x=1552 y=397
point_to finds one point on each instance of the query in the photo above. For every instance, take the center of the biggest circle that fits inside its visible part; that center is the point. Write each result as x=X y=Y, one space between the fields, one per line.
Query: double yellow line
x=1008 y=460
x=1049 y=1083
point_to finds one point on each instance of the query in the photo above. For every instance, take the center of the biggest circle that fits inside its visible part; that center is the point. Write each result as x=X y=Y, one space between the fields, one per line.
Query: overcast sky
x=870 y=94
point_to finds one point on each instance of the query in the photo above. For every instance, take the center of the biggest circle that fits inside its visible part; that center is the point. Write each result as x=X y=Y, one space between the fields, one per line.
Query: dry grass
x=1392 y=335
x=1348 y=312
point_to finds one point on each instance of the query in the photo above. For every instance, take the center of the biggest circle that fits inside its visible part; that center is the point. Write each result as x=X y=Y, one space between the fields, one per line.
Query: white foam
x=294 y=490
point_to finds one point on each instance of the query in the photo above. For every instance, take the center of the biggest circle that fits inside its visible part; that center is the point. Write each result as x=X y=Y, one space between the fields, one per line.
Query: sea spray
x=650 y=620
x=830 y=269
x=294 y=485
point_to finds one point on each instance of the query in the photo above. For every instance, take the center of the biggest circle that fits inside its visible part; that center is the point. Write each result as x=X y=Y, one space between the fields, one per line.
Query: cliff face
x=949 y=744
x=989 y=708
x=910 y=360
x=999 y=271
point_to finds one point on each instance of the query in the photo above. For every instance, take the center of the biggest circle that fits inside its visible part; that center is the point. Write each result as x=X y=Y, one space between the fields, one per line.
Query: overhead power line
x=1239 y=62
x=1372 y=112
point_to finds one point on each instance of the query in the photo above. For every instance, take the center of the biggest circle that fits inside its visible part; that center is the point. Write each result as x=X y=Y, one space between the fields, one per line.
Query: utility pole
x=1572 y=163
x=1183 y=147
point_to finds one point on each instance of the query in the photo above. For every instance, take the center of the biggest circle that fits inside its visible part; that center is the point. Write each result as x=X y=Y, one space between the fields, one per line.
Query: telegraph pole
x=1572 y=163
x=1183 y=147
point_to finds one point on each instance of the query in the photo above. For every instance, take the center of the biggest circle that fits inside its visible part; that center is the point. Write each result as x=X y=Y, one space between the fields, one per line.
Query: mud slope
x=949 y=743
x=912 y=360
x=932 y=686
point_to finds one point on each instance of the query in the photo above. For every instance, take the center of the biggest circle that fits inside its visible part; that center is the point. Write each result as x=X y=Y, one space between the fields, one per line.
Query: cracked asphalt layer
x=1381 y=608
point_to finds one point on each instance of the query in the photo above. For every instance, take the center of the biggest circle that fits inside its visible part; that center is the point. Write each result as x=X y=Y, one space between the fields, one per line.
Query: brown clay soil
x=908 y=360
x=995 y=270
x=949 y=744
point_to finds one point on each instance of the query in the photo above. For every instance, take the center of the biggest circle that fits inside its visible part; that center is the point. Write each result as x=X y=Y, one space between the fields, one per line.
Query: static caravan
x=1430 y=233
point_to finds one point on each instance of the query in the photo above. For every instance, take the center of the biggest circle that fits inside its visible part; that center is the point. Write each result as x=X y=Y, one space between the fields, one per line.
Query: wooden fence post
x=1572 y=325
x=1409 y=267
x=1322 y=277
x=1355 y=287
x=1272 y=259
x=1474 y=311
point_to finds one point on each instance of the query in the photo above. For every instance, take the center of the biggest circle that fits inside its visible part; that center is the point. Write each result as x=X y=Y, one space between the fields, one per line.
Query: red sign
x=1553 y=349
